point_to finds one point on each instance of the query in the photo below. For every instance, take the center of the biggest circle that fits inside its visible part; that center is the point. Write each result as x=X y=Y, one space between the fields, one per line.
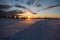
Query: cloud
x=49 y=7
x=28 y=10
x=17 y=0
x=4 y=6
x=50 y=0
x=34 y=13
x=21 y=1
x=13 y=12
x=35 y=3
x=2 y=12
x=31 y=2
x=19 y=6
x=38 y=6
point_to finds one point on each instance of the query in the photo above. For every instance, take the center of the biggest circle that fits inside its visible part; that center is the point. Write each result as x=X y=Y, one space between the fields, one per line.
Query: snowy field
x=29 y=29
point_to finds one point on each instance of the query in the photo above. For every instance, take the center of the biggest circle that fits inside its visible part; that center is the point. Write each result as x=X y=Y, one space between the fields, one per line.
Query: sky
x=46 y=8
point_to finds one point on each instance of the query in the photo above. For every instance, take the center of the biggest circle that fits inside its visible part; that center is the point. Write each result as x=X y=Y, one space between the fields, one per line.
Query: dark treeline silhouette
x=17 y=17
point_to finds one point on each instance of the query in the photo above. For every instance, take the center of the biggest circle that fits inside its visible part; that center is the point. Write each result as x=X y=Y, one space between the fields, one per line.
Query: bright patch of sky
x=39 y=10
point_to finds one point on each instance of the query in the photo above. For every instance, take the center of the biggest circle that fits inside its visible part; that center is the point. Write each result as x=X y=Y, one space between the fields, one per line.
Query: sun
x=29 y=16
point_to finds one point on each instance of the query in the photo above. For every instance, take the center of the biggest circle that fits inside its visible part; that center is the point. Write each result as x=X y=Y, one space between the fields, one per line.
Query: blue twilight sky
x=47 y=8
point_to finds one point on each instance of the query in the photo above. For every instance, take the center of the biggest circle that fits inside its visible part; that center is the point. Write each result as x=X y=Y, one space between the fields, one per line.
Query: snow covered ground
x=29 y=29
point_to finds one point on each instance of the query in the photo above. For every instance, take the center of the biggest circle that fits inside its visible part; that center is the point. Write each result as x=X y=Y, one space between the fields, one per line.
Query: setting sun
x=29 y=16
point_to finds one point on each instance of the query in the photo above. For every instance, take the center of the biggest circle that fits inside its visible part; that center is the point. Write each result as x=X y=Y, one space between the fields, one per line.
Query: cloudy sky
x=47 y=8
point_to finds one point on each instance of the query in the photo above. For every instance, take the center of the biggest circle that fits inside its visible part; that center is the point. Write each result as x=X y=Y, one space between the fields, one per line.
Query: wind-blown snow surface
x=29 y=29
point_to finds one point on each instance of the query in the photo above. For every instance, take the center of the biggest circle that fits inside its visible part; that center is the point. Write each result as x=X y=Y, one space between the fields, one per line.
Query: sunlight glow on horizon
x=36 y=6
x=29 y=16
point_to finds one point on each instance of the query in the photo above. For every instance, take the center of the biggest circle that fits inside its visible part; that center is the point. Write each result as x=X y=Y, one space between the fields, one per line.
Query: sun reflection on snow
x=29 y=21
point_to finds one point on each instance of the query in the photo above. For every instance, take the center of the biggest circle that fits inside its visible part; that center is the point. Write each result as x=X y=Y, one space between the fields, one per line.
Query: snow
x=29 y=29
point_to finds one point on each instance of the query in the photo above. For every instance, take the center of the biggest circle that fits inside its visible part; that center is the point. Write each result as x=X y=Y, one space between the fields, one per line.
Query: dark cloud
x=34 y=13
x=55 y=6
x=19 y=6
x=14 y=12
x=38 y=6
x=4 y=6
